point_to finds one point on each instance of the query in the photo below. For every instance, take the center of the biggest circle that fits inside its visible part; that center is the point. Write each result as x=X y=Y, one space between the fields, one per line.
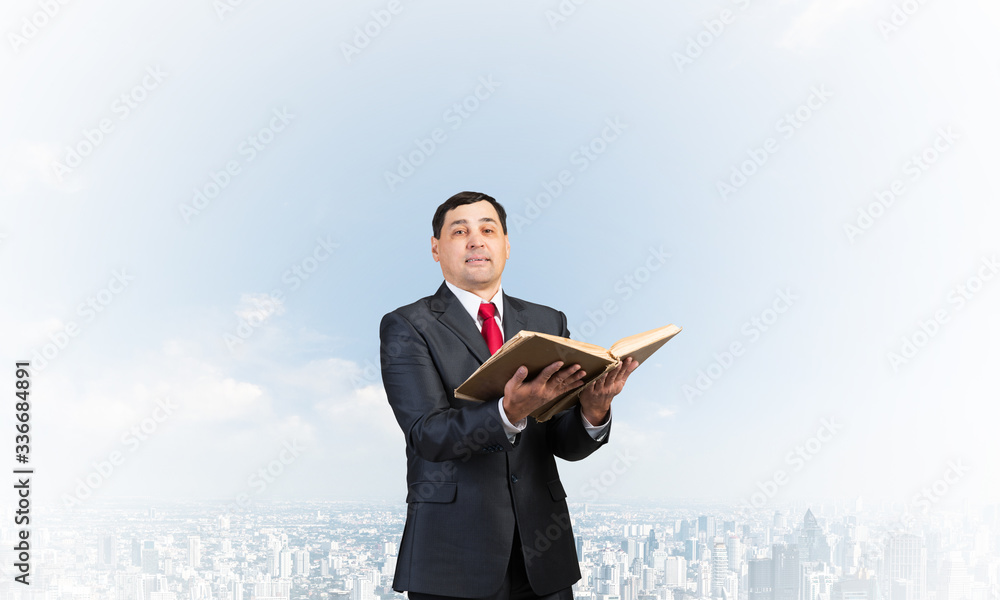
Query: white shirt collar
x=470 y=302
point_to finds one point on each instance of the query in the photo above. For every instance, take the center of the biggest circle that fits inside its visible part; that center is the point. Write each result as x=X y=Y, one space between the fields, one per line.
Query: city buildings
x=347 y=551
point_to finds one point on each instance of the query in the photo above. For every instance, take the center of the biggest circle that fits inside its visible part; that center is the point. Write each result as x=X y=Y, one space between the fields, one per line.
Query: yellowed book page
x=642 y=345
x=535 y=351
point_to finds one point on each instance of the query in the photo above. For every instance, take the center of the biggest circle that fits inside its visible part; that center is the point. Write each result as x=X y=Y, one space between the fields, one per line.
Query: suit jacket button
x=513 y=478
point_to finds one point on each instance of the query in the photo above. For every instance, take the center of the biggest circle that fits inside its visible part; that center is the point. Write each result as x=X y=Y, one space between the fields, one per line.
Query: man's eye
x=459 y=231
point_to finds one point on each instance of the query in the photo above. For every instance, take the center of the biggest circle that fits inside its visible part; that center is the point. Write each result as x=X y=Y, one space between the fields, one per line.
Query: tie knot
x=487 y=310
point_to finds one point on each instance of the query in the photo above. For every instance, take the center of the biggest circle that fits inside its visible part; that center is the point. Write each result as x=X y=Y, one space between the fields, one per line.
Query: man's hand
x=595 y=399
x=521 y=398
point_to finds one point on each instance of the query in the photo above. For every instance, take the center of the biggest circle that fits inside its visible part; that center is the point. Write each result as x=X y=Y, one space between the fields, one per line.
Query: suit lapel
x=452 y=315
x=513 y=317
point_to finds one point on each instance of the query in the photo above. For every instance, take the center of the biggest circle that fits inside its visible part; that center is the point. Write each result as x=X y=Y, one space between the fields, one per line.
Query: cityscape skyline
x=207 y=206
x=665 y=551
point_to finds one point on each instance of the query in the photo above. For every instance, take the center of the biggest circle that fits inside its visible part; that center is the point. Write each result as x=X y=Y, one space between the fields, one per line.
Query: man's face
x=473 y=248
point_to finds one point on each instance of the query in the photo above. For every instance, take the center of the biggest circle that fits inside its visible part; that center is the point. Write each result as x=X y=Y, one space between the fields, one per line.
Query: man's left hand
x=595 y=399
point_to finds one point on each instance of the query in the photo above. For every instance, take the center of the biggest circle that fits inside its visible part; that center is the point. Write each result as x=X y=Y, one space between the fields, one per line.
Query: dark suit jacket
x=467 y=485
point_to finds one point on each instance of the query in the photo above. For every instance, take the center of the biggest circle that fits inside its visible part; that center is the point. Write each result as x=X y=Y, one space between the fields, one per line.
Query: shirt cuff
x=597 y=432
x=509 y=428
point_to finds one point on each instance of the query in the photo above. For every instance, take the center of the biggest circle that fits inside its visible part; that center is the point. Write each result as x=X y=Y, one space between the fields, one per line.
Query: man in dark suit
x=487 y=514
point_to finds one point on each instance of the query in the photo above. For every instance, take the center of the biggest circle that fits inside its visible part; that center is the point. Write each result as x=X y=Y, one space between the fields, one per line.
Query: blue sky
x=829 y=105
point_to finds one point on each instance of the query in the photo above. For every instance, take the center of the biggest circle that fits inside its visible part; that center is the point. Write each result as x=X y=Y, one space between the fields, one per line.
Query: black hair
x=461 y=199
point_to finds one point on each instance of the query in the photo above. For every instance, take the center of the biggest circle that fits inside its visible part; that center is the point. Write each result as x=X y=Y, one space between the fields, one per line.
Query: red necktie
x=491 y=333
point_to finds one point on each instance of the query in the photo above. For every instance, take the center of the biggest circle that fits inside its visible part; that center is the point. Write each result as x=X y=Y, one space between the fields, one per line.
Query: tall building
x=136 y=552
x=301 y=562
x=863 y=587
x=389 y=567
x=675 y=571
x=816 y=581
x=813 y=544
x=150 y=557
x=706 y=525
x=648 y=579
x=128 y=586
x=955 y=582
x=704 y=582
x=905 y=567
x=686 y=530
x=272 y=561
x=720 y=568
x=363 y=587
x=285 y=563
x=785 y=572
x=731 y=587
x=107 y=552
x=849 y=550
x=760 y=579
x=635 y=549
x=734 y=553
x=691 y=549
x=194 y=551
x=272 y=590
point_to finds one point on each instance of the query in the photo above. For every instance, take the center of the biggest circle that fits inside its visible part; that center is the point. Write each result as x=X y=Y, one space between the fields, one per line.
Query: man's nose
x=475 y=240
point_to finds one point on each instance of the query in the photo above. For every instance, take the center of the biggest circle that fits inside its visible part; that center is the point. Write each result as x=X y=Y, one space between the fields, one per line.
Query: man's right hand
x=521 y=397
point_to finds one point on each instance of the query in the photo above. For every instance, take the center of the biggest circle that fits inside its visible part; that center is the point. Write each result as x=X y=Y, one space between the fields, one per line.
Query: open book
x=537 y=350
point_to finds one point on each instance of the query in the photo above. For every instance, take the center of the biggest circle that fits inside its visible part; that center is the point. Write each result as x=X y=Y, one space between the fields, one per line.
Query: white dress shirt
x=471 y=304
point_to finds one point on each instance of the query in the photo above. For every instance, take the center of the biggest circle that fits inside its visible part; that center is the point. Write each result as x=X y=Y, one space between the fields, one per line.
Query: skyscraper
x=691 y=549
x=194 y=551
x=813 y=544
x=285 y=563
x=955 y=583
x=734 y=552
x=136 y=552
x=302 y=562
x=363 y=588
x=675 y=571
x=706 y=525
x=107 y=552
x=861 y=588
x=685 y=530
x=816 y=581
x=704 y=580
x=150 y=558
x=720 y=568
x=760 y=579
x=785 y=572
x=905 y=567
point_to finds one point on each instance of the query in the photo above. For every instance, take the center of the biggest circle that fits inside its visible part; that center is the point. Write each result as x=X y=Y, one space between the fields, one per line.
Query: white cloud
x=348 y=395
x=257 y=308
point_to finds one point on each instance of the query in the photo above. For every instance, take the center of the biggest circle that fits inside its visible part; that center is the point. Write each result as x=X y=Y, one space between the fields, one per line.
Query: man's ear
x=434 y=249
x=507 y=241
